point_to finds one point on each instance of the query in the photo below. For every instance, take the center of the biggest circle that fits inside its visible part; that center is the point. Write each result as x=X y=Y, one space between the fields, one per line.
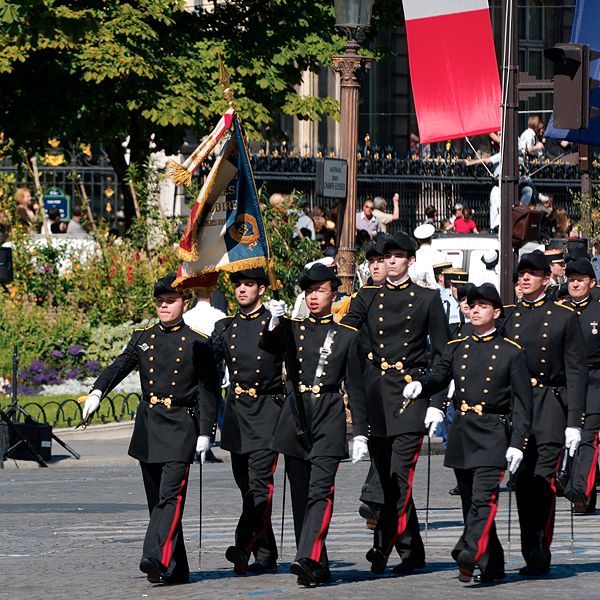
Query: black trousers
x=536 y=496
x=395 y=460
x=166 y=486
x=253 y=473
x=581 y=485
x=312 y=485
x=479 y=489
x=372 y=492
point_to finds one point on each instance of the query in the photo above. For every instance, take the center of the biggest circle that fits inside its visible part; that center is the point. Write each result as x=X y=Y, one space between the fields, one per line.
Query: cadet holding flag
x=176 y=417
x=490 y=429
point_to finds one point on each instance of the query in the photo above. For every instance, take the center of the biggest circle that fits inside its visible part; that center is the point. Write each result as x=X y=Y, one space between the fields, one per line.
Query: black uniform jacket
x=551 y=336
x=322 y=399
x=588 y=312
x=177 y=368
x=493 y=399
x=407 y=331
x=255 y=393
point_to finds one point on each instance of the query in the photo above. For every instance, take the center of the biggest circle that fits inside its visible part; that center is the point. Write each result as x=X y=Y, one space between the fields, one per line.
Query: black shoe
x=175 y=579
x=152 y=569
x=537 y=564
x=528 y=571
x=378 y=561
x=489 y=577
x=238 y=558
x=210 y=457
x=310 y=571
x=369 y=512
x=408 y=565
x=262 y=566
x=454 y=491
x=466 y=566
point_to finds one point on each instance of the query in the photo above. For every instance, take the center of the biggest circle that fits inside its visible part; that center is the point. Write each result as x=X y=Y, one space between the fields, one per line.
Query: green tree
x=102 y=70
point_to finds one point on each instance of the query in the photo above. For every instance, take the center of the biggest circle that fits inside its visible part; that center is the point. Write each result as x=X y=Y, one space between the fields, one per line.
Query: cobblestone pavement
x=77 y=532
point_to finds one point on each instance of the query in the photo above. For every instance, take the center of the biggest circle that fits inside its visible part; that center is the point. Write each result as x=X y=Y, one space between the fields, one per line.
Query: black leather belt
x=240 y=389
x=318 y=389
x=481 y=408
x=167 y=402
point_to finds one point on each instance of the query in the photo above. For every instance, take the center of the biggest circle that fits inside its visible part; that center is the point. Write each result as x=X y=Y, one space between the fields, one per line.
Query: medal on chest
x=594 y=325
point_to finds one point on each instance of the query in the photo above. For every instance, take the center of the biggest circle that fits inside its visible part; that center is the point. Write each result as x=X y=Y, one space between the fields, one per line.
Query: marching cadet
x=176 y=417
x=327 y=354
x=581 y=489
x=252 y=408
x=490 y=427
x=556 y=260
x=551 y=336
x=400 y=317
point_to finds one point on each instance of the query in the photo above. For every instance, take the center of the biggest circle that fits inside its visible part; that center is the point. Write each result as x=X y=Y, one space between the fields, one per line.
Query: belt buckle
x=315 y=389
x=238 y=389
x=476 y=408
x=302 y=388
x=252 y=392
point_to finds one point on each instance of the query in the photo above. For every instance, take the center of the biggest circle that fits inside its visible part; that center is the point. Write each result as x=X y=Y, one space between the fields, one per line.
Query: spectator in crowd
x=555 y=148
x=366 y=220
x=383 y=217
x=56 y=225
x=26 y=211
x=324 y=228
x=421 y=270
x=430 y=215
x=457 y=212
x=304 y=225
x=530 y=141
x=75 y=225
x=563 y=223
x=446 y=226
x=466 y=224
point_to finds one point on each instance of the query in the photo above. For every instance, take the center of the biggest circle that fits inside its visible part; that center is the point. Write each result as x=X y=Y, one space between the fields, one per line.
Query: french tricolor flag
x=453 y=68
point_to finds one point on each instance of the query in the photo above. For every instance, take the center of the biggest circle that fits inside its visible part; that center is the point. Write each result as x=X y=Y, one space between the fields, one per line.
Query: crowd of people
x=407 y=355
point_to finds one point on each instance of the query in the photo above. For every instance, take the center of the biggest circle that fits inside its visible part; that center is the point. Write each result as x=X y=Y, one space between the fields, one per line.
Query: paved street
x=76 y=532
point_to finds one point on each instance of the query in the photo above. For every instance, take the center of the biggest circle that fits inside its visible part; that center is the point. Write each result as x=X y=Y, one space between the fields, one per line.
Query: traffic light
x=571 y=84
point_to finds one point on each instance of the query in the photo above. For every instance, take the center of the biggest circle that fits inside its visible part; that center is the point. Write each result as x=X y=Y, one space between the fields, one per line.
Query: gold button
x=463 y=367
x=235 y=324
x=381 y=319
x=234 y=335
x=467 y=345
x=258 y=371
x=180 y=349
x=300 y=360
x=410 y=306
x=151 y=358
x=462 y=377
x=543 y=349
x=152 y=347
x=381 y=332
x=301 y=337
x=517 y=314
x=151 y=382
x=177 y=360
x=234 y=359
x=300 y=348
x=302 y=327
x=381 y=294
x=496 y=347
x=493 y=357
x=381 y=306
x=407 y=331
x=488 y=378
x=408 y=317
x=262 y=323
x=485 y=391
x=151 y=370
x=465 y=356
x=490 y=368
x=412 y=293
x=541 y=374
x=232 y=346
x=517 y=337
x=548 y=312
x=175 y=372
x=462 y=390
x=173 y=383
x=235 y=372
x=543 y=360
x=183 y=338
x=546 y=324
x=323 y=374
x=326 y=362
x=382 y=345
x=544 y=335
x=152 y=336
x=259 y=357
x=517 y=324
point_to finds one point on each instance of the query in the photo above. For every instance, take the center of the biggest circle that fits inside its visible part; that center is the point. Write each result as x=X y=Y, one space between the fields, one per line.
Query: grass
x=64 y=410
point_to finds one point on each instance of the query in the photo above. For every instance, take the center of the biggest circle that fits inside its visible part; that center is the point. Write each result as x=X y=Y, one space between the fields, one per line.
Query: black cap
x=316 y=274
x=555 y=255
x=164 y=285
x=459 y=277
x=399 y=241
x=258 y=274
x=437 y=269
x=581 y=266
x=487 y=292
x=376 y=248
x=534 y=260
x=463 y=290
x=576 y=251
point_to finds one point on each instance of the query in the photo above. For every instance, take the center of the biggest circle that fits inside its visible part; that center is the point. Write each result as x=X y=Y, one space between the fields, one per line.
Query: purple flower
x=75 y=350
x=37 y=365
x=39 y=378
x=73 y=373
x=57 y=354
x=93 y=366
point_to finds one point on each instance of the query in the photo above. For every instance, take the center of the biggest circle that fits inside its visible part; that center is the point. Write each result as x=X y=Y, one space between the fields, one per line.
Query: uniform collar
x=253 y=315
x=397 y=286
x=530 y=305
x=321 y=320
x=171 y=328
x=581 y=304
x=484 y=338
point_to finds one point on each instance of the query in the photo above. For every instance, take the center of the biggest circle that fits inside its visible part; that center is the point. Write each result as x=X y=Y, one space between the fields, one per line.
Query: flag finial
x=224 y=79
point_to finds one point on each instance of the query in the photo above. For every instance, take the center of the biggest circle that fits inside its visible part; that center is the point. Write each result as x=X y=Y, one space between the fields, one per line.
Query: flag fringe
x=179 y=174
x=238 y=265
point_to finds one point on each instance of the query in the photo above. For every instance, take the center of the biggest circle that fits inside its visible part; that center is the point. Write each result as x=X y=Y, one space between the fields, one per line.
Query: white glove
x=572 y=439
x=277 y=308
x=514 y=456
x=433 y=417
x=92 y=402
x=202 y=445
x=359 y=448
x=412 y=390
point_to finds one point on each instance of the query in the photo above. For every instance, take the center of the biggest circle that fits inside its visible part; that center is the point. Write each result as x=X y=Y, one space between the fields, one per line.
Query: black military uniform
x=581 y=488
x=180 y=387
x=551 y=336
x=557 y=287
x=399 y=319
x=252 y=409
x=493 y=403
x=327 y=354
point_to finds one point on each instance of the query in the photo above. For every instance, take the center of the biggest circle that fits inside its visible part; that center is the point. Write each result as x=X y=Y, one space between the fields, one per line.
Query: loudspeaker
x=6 y=265
x=39 y=435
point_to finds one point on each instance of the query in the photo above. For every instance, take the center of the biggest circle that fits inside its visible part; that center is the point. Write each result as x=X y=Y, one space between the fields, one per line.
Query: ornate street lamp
x=352 y=17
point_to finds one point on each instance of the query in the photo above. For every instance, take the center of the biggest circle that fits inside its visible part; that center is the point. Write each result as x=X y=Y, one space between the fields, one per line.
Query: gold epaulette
x=143 y=328
x=513 y=343
x=563 y=306
x=199 y=333
x=462 y=339
x=348 y=326
x=294 y=319
x=370 y=287
x=509 y=305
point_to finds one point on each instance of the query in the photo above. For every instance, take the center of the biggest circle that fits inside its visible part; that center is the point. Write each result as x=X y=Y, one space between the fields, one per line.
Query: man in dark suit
x=176 y=418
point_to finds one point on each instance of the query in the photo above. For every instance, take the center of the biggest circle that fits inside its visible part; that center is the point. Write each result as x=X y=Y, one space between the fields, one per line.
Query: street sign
x=332 y=178
x=57 y=197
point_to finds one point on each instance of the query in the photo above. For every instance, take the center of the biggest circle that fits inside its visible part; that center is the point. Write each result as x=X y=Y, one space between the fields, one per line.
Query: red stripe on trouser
x=267 y=515
x=482 y=543
x=318 y=544
x=591 y=478
x=402 y=516
x=549 y=529
x=168 y=545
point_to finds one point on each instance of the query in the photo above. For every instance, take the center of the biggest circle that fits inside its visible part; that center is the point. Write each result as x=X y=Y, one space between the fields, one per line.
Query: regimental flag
x=453 y=68
x=225 y=231
x=586 y=30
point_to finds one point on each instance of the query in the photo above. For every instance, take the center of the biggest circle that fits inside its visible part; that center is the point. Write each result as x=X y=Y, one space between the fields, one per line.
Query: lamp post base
x=345 y=260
